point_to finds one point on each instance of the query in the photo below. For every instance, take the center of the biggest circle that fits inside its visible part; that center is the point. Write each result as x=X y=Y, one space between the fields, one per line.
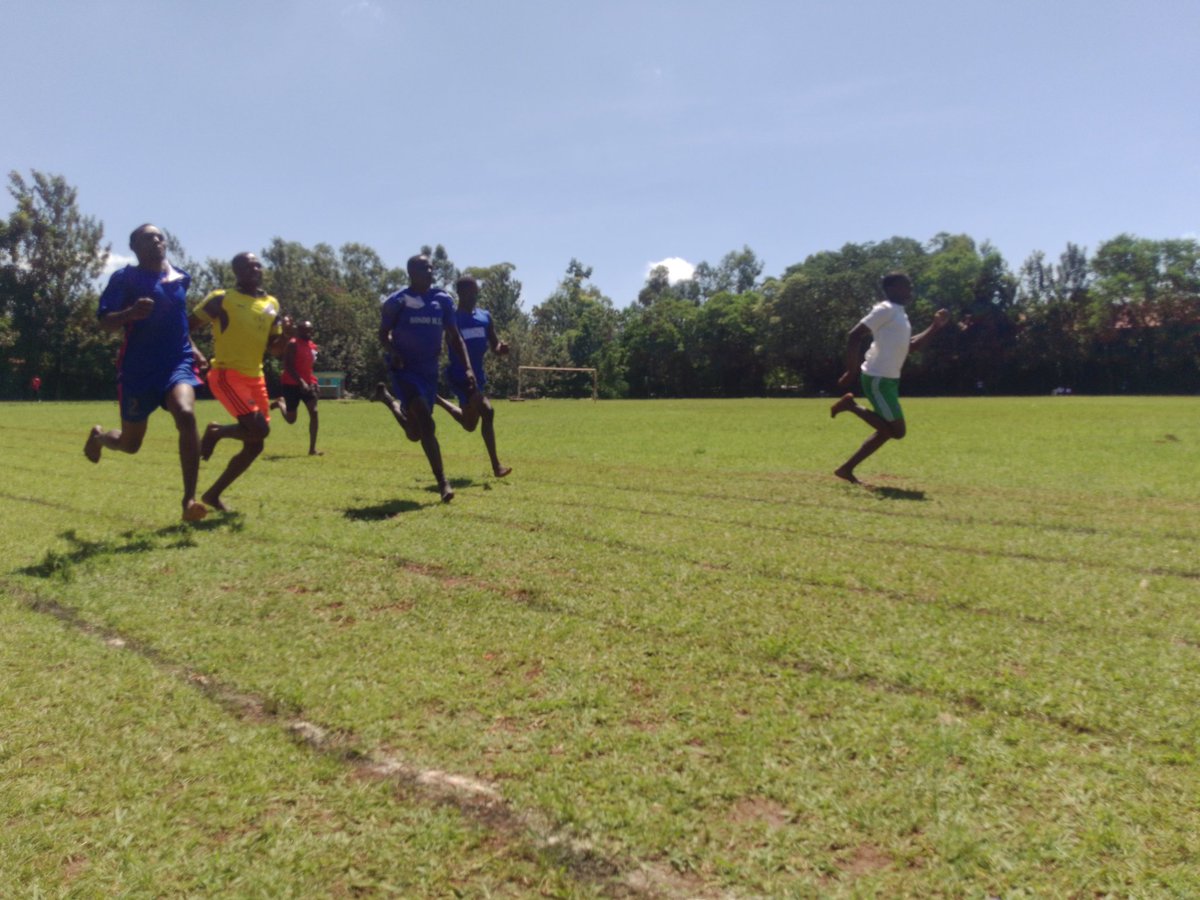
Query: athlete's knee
x=185 y=420
x=257 y=429
x=898 y=429
x=129 y=443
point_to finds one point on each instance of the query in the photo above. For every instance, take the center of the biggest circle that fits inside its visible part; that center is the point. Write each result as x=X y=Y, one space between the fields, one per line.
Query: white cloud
x=678 y=269
x=116 y=261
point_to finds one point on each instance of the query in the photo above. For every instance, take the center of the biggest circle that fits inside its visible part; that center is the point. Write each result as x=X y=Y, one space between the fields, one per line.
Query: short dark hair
x=240 y=258
x=140 y=228
x=465 y=279
x=891 y=279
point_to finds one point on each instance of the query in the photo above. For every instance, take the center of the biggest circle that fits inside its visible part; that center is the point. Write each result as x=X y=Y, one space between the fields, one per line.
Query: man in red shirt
x=299 y=382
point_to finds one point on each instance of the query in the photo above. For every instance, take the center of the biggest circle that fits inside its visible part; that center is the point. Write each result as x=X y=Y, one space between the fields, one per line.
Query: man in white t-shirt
x=892 y=340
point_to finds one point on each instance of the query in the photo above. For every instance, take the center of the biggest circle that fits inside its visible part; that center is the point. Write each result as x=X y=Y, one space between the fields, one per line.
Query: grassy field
x=670 y=656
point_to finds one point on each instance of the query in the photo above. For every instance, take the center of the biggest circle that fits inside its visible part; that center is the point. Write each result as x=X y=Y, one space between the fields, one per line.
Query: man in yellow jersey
x=246 y=322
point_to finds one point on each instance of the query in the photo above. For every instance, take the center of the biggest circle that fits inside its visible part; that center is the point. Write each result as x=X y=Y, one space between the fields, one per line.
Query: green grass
x=686 y=659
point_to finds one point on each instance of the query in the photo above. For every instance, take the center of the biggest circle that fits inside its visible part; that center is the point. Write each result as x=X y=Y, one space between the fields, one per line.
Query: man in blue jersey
x=478 y=334
x=158 y=361
x=879 y=372
x=414 y=322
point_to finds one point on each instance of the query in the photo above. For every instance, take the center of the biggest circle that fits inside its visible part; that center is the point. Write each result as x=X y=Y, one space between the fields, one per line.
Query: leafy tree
x=656 y=343
x=577 y=326
x=364 y=273
x=445 y=272
x=51 y=257
x=314 y=284
x=728 y=352
x=1051 y=311
x=737 y=273
x=1145 y=306
x=658 y=284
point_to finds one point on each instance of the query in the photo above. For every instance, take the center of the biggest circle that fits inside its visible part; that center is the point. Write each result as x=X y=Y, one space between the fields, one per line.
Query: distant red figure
x=35 y=384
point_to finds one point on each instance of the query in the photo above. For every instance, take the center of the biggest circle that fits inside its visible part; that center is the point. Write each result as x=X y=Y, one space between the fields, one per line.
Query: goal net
x=558 y=381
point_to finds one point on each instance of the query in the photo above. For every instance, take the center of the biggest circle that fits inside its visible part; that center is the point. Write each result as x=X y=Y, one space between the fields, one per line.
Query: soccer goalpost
x=521 y=370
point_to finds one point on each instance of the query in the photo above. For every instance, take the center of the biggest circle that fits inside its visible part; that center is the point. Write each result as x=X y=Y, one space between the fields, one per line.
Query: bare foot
x=194 y=511
x=212 y=434
x=214 y=501
x=91 y=449
x=447 y=491
x=502 y=471
x=846 y=475
x=316 y=453
x=843 y=404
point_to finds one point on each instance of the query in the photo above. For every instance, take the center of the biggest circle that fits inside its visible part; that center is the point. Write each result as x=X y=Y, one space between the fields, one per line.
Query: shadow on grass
x=891 y=493
x=61 y=565
x=381 y=511
x=457 y=483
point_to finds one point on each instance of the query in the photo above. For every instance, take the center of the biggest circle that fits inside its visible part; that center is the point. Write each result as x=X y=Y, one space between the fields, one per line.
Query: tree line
x=1125 y=318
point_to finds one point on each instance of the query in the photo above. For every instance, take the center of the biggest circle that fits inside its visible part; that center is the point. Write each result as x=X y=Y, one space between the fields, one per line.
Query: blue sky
x=619 y=133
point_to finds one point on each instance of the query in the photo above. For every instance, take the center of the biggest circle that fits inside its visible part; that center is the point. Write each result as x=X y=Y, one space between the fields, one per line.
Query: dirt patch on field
x=751 y=810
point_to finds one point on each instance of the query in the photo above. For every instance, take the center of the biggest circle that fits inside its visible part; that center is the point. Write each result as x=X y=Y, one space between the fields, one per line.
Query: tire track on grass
x=879 y=510
x=615 y=874
x=535 y=600
x=796 y=531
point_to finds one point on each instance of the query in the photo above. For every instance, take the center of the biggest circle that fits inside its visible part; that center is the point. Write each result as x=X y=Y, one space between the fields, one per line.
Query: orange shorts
x=240 y=394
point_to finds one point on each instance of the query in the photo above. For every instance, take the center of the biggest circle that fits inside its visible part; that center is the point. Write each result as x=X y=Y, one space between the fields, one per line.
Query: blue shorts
x=409 y=386
x=459 y=386
x=139 y=399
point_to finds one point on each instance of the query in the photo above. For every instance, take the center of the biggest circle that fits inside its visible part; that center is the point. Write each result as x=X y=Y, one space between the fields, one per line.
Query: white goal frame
x=521 y=370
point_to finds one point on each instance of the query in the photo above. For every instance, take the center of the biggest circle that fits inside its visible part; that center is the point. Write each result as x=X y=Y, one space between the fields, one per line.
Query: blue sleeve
x=114 y=297
x=387 y=314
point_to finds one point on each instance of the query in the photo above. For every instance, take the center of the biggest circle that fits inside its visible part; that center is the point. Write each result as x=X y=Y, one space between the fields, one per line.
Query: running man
x=299 y=382
x=245 y=322
x=478 y=333
x=413 y=325
x=156 y=365
x=887 y=323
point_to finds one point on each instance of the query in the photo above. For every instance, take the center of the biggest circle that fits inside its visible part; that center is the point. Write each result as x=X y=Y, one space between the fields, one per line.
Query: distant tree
x=577 y=326
x=50 y=257
x=364 y=273
x=1145 y=308
x=974 y=283
x=1051 y=313
x=737 y=273
x=315 y=284
x=728 y=351
x=656 y=341
x=658 y=284
x=445 y=273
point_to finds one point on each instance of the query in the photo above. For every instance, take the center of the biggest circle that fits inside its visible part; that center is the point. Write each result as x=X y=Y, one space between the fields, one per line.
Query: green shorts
x=884 y=394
